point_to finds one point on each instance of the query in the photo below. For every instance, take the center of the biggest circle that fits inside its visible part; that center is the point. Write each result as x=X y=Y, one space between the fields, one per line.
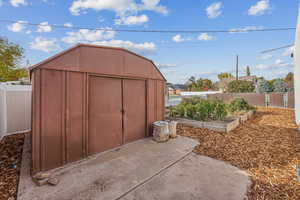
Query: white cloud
x=289 y=51
x=214 y=10
x=132 y=20
x=143 y=48
x=1 y=2
x=17 y=27
x=164 y=66
x=28 y=32
x=246 y=29
x=205 y=37
x=278 y=64
x=259 y=8
x=178 y=38
x=101 y=19
x=44 y=27
x=68 y=24
x=85 y=35
x=44 y=44
x=17 y=3
x=265 y=56
x=166 y=71
x=121 y=7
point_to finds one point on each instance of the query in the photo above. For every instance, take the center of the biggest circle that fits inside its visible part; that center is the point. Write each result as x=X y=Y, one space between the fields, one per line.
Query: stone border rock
x=219 y=126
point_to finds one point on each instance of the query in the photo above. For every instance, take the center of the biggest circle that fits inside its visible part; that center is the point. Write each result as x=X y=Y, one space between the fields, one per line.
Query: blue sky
x=178 y=55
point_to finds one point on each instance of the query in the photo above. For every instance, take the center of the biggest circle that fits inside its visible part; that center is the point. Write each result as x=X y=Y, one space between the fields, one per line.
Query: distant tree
x=225 y=75
x=190 y=83
x=192 y=79
x=10 y=56
x=280 y=85
x=248 y=71
x=199 y=84
x=264 y=86
x=207 y=84
x=239 y=86
x=289 y=77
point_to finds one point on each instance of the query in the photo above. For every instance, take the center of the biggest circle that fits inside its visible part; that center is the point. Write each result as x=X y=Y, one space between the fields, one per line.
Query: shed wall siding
x=151 y=91
x=74 y=116
x=101 y=61
x=36 y=121
x=52 y=118
x=67 y=61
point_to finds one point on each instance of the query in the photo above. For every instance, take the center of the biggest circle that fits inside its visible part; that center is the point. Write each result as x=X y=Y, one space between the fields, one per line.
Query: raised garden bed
x=212 y=114
x=225 y=125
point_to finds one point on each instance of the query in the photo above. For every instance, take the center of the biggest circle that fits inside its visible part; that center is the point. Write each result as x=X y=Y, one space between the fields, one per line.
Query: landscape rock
x=41 y=176
x=40 y=182
x=53 y=181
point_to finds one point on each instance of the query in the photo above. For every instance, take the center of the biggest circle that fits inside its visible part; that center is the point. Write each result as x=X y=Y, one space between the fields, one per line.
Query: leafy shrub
x=200 y=109
x=239 y=104
x=240 y=86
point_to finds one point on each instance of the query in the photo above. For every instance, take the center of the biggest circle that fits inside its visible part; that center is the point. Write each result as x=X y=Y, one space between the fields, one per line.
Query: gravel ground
x=267 y=147
x=10 y=162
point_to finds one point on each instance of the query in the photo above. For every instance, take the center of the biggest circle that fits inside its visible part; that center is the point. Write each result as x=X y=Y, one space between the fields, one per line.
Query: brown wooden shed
x=89 y=99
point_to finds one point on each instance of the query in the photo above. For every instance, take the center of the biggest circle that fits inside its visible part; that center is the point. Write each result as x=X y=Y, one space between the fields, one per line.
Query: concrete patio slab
x=140 y=170
x=195 y=177
x=107 y=175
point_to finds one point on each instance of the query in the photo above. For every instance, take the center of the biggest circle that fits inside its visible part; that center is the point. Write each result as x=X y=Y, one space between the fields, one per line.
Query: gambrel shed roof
x=102 y=60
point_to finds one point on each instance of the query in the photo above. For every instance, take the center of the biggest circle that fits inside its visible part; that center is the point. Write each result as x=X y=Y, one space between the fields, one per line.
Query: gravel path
x=10 y=162
x=267 y=147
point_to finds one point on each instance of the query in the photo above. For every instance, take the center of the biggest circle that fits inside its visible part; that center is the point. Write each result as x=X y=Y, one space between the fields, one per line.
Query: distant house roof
x=248 y=78
x=179 y=87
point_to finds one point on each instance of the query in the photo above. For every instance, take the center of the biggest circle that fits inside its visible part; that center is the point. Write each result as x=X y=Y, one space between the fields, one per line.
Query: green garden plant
x=239 y=104
x=200 y=109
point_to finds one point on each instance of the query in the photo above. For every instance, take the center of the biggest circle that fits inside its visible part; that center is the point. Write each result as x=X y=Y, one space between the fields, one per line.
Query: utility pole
x=237 y=68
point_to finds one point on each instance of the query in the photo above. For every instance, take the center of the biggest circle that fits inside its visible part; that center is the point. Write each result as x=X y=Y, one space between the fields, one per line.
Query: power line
x=149 y=31
x=275 y=49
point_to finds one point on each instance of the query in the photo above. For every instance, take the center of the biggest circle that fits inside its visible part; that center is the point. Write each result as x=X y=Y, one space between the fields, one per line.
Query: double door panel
x=116 y=112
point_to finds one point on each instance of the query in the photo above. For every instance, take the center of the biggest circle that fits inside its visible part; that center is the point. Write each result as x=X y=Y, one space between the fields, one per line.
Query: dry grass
x=10 y=162
x=267 y=147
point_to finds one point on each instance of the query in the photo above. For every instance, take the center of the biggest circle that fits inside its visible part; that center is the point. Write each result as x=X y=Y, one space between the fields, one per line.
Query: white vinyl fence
x=15 y=109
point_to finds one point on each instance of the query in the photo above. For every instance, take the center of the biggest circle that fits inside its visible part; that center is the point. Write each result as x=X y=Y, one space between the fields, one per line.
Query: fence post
x=267 y=99
x=285 y=100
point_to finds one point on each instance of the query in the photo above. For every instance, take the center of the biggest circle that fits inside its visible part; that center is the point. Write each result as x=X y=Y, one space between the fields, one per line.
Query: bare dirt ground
x=10 y=162
x=267 y=147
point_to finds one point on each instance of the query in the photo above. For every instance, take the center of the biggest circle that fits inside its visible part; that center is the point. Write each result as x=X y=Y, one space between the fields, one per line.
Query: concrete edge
x=25 y=162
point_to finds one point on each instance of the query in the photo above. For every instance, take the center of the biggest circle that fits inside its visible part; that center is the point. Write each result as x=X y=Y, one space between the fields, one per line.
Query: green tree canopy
x=225 y=75
x=10 y=56
x=264 y=86
x=200 y=84
x=239 y=86
x=289 y=77
x=280 y=85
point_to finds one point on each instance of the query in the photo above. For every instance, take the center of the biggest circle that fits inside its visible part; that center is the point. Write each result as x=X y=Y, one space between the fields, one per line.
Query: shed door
x=105 y=114
x=134 y=102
